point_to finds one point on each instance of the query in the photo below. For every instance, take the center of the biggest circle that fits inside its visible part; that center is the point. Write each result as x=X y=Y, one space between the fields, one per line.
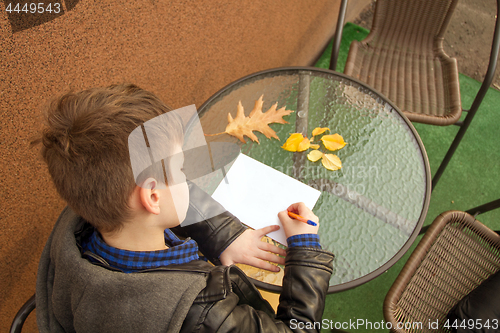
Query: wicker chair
x=403 y=58
x=456 y=254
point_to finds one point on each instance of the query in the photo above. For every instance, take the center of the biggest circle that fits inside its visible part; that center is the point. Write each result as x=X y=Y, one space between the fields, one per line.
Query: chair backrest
x=416 y=25
x=456 y=254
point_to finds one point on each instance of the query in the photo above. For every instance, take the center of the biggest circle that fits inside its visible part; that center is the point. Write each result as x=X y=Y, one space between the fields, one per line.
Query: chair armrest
x=22 y=314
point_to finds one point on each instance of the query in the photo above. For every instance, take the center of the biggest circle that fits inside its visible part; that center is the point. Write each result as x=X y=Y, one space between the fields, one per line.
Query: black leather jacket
x=240 y=308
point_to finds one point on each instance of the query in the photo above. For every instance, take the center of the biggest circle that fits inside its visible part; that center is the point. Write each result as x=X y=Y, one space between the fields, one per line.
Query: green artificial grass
x=472 y=178
x=351 y=32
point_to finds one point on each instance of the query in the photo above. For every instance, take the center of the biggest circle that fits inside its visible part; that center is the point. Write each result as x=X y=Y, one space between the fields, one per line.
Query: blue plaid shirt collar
x=179 y=252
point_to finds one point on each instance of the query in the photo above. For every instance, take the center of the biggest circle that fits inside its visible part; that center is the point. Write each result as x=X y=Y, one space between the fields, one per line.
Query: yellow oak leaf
x=319 y=130
x=314 y=146
x=256 y=121
x=314 y=155
x=333 y=142
x=331 y=162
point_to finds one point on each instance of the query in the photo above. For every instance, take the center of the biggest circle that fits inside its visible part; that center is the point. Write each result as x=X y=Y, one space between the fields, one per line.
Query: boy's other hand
x=293 y=227
x=250 y=250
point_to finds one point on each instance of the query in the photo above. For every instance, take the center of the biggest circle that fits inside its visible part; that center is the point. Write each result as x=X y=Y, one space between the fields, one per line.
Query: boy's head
x=85 y=146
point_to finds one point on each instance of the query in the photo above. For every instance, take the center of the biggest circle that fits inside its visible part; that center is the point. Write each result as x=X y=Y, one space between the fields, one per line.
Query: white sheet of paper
x=255 y=193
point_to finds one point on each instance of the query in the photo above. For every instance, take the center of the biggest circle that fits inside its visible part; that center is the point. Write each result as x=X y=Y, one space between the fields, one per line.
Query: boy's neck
x=136 y=237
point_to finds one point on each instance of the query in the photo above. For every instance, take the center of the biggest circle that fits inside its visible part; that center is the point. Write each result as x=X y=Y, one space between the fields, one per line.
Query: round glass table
x=371 y=210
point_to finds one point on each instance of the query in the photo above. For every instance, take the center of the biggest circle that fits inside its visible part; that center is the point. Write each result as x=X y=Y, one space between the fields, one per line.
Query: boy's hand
x=293 y=227
x=250 y=250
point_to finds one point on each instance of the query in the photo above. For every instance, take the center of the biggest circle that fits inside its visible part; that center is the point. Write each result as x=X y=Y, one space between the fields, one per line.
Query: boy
x=112 y=264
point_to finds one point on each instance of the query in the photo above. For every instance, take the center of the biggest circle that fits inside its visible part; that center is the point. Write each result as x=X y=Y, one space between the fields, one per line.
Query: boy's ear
x=149 y=196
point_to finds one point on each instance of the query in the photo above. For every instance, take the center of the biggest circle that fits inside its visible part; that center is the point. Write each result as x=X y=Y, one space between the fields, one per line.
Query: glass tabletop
x=370 y=210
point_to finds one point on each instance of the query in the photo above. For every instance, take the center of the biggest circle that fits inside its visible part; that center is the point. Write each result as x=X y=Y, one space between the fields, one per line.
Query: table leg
x=362 y=202
x=301 y=118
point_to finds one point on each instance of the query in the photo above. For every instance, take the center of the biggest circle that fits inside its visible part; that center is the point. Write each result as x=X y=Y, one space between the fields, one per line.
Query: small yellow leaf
x=319 y=130
x=293 y=142
x=314 y=146
x=304 y=145
x=333 y=142
x=331 y=162
x=314 y=155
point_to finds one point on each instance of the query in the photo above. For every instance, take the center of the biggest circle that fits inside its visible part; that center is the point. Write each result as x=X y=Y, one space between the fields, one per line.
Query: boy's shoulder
x=66 y=282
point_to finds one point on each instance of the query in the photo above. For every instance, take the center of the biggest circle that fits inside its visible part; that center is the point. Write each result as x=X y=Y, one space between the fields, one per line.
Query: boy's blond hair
x=85 y=146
